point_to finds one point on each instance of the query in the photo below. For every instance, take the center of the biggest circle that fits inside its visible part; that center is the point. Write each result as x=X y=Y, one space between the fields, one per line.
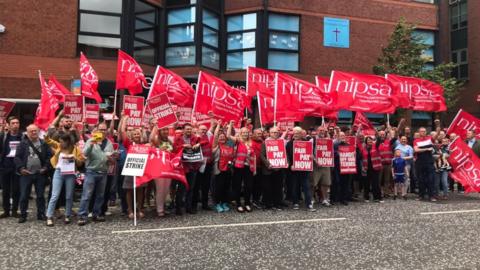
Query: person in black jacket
x=32 y=163
x=9 y=142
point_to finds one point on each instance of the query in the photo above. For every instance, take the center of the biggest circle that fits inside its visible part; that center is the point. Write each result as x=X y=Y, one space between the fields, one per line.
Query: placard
x=108 y=116
x=348 y=163
x=351 y=140
x=92 y=113
x=324 y=152
x=160 y=108
x=302 y=156
x=192 y=155
x=133 y=108
x=73 y=107
x=136 y=160
x=276 y=153
x=5 y=108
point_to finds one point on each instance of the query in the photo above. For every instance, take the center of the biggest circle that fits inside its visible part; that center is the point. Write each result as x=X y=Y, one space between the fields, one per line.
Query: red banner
x=178 y=90
x=466 y=166
x=417 y=94
x=348 y=163
x=133 y=108
x=322 y=84
x=89 y=79
x=129 y=74
x=324 y=152
x=261 y=81
x=302 y=156
x=160 y=108
x=5 y=108
x=351 y=140
x=362 y=92
x=276 y=153
x=47 y=107
x=216 y=96
x=92 y=113
x=162 y=164
x=463 y=122
x=57 y=89
x=73 y=107
x=362 y=123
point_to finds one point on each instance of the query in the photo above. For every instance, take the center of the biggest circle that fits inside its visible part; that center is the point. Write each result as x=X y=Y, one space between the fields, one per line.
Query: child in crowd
x=399 y=171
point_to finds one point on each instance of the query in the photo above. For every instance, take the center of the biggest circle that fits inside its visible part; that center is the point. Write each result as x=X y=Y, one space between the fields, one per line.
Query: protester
x=9 y=142
x=321 y=176
x=223 y=155
x=66 y=161
x=406 y=152
x=273 y=177
x=202 y=183
x=371 y=166
x=257 y=192
x=473 y=142
x=31 y=162
x=340 y=185
x=425 y=171
x=399 y=171
x=442 y=167
x=385 y=141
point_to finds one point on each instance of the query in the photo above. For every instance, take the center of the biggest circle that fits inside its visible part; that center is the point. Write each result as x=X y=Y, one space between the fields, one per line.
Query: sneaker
x=219 y=208
x=82 y=222
x=49 y=222
x=310 y=208
x=99 y=219
x=433 y=199
x=296 y=207
x=367 y=201
x=326 y=203
x=240 y=209
x=90 y=215
x=108 y=213
x=248 y=208
x=225 y=207
x=67 y=220
x=5 y=215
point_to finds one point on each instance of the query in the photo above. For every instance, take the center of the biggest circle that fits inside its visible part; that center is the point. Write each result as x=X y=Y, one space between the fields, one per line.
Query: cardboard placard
x=276 y=154
x=133 y=108
x=324 y=152
x=348 y=164
x=302 y=156
x=191 y=155
x=160 y=108
x=136 y=160
x=92 y=113
x=73 y=107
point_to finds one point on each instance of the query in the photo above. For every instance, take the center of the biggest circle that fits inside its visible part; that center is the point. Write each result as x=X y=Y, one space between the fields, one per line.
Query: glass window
x=114 y=6
x=283 y=22
x=149 y=17
x=283 y=61
x=139 y=25
x=95 y=41
x=286 y=41
x=99 y=24
x=180 y=56
x=241 y=60
x=181 y=16
x=242 y=22
x=210 y=58
x=425 y=37
x=146 y=35
x=141 y=7
x=210 y=37
x=181 y=34
x=145 y=55
x=210 y=19
x=245 y=40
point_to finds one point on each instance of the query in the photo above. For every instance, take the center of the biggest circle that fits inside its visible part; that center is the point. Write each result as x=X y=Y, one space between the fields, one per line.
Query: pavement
x=393 y=235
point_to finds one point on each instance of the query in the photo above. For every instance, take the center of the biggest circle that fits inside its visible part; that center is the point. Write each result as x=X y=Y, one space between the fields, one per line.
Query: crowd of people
x=235 y=173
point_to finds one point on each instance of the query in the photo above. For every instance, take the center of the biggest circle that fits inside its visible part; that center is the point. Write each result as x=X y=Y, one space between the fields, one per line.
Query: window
x=458 y=15
x=459 y=38
x=426 y=37
x=211 y=24
x=241 y=41
x=426 y=1
x=180 y=49
x=283 y=42
x=460 y=57
x=145 y=39
x=99 y=33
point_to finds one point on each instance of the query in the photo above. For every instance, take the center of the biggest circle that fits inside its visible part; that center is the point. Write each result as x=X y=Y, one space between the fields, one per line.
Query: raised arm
x=229 y=131
x=215 y=136
x=122 y=134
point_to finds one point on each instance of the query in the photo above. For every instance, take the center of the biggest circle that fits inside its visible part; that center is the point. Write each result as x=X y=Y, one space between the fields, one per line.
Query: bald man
x=32 y=162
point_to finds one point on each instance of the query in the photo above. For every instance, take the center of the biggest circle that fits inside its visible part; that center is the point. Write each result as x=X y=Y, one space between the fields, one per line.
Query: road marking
x=231 y=225
x=450 y=212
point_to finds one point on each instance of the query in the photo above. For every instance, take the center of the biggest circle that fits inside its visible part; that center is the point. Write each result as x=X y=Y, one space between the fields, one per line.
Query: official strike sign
x=347 y=159
x=160 y=108
x=302 y=156
x=92 y=113
x=73 y=107
x=133 y=108
x=136 y=160
x=324 y=152
x=5 y=108
x=276 y=153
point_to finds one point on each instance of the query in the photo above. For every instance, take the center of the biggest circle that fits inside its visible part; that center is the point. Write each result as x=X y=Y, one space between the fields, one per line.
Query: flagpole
x=134 y=202
x=259 y=109
x=323 y=120
x=388 y=119
x=275 y=101
x=114 y=105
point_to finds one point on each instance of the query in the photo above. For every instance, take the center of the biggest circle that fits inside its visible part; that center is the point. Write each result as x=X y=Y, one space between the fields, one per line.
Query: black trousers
x=372 y=183
x=26 y=183
x=341 y=186
x=273 y=189
x=10 y=189
x=222 y=187
x=242 y=176
x=257 y=186
x=202 y=187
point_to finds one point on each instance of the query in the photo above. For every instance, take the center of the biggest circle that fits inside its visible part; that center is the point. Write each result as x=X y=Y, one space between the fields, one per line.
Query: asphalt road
x=393 y=235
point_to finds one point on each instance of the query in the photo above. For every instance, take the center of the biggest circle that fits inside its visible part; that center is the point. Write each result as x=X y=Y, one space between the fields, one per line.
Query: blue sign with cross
x=336 y=32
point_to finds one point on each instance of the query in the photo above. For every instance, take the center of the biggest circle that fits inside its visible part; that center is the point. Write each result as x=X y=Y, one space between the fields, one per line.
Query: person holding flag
x=371 y=167
x=423 y=147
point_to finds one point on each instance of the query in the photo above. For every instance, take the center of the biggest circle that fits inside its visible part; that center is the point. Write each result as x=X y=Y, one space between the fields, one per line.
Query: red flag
x=178 y=90
x=162 y=164
x=216 y=96
x=362 y=122
x=266 y=106
x=89 y=79
x=322 y=84
x=463 y=122
x=57 y=89
x=129 y=74
x=5 y=109
x=466 y=166
x=47 y=107
x=362 y=92
x=417 y=94
x=260 y=80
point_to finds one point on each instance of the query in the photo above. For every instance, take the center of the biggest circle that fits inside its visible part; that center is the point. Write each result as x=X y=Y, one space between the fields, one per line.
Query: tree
x=403 y=56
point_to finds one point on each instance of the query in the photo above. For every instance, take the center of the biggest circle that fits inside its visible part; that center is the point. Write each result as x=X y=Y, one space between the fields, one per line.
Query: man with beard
x=62 y=124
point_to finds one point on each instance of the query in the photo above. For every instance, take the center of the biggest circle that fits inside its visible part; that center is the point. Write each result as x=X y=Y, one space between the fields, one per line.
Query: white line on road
x=230 y=225
x=450 y=212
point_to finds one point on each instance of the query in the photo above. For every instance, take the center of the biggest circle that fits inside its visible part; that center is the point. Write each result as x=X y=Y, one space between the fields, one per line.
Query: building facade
x=222 y=37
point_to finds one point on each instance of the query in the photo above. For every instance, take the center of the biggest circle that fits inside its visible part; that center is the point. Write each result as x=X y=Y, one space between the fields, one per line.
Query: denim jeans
x=425 y=176
x=299 y=182
x=97 y=181
x=441 y=180
x=57 y=184
x=26 y=182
